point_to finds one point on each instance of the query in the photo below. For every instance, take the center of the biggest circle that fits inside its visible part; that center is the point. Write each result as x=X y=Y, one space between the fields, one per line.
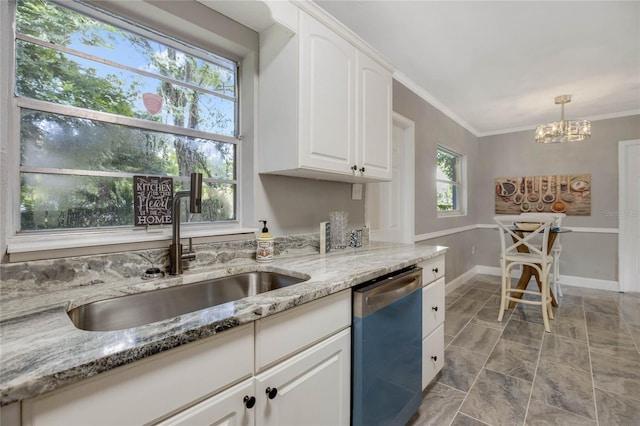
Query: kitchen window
x=101 y=99
x=449 y=182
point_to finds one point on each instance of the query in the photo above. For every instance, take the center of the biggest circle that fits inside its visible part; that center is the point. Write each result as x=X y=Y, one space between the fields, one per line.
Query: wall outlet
x=473 y=249
x=356 y=191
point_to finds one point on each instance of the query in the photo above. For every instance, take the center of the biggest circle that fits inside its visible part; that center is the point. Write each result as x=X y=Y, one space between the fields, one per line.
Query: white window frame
x=64 y=243
x=460 y=184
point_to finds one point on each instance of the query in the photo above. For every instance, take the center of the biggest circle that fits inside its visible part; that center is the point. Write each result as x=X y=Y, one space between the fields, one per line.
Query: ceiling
x=496 y=66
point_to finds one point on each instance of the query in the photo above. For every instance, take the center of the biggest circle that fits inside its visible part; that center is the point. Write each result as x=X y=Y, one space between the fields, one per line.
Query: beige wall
x=590 y=255
x=297 y=206
x=433 y=128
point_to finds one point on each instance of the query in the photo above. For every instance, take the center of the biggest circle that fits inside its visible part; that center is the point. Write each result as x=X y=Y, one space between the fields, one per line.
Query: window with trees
x=449 y=182
x=100 y=100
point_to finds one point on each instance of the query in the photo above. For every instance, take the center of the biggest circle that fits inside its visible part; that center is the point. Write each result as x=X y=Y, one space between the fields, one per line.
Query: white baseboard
x=567 y=280
x=589 y=283
x=458 y=281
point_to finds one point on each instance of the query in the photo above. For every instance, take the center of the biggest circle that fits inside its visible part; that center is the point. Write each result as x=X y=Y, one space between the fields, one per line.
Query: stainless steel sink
x=144 y=308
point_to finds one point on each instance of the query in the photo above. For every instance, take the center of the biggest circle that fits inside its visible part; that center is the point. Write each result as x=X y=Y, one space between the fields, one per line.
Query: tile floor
x=585 y=372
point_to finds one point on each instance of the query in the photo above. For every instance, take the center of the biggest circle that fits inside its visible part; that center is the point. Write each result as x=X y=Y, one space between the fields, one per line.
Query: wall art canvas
x=152 y=202
x=568 y=194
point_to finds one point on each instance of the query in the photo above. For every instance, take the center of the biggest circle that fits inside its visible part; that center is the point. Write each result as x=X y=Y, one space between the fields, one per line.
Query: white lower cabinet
x=432 y=355
x=305 y=364
x=433 y=303
x=148 y=390
x=311 y=388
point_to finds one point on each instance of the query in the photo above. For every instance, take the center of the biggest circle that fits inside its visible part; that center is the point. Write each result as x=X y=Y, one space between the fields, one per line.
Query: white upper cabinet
x=324 y=106
x=327 y=99
x=373 y=148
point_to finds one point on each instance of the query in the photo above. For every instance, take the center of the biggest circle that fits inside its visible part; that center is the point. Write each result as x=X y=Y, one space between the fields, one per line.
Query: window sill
x=441 y=215
x=52 y=245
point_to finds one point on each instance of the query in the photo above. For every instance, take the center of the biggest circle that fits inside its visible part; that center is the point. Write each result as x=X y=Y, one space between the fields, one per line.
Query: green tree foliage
x=58 y=141
x=446 y=164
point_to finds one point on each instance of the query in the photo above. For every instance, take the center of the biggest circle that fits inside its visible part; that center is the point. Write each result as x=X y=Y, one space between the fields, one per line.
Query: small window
x=449 y=182
x=100 y=100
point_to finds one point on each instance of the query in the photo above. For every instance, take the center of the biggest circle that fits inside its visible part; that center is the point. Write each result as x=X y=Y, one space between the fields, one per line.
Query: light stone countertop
x=41 y=350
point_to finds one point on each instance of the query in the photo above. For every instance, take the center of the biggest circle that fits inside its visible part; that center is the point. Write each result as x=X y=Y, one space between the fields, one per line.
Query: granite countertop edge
x=41 y=350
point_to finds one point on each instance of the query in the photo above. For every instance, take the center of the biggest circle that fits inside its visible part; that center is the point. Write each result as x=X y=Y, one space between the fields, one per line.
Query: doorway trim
x=406 y=166
x=628 y=269
x=409 y=175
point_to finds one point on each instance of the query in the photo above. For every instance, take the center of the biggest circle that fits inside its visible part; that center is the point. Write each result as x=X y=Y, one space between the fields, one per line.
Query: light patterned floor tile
x=440 y=404
x=594 y=340
x=566 y=388
x=513 y=359
x=497 y=399
x=613 y=342
x=461 y=366
x=477 y=338
x=524 y=332
x=540 y=414
x=463 y=420
x=616 y=375
x=568 y=352
x=616 y=410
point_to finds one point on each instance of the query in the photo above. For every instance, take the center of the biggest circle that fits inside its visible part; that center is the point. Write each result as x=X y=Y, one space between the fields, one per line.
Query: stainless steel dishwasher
x=386 y=386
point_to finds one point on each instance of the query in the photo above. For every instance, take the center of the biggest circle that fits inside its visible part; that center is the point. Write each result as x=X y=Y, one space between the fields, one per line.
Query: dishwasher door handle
x=386 y=292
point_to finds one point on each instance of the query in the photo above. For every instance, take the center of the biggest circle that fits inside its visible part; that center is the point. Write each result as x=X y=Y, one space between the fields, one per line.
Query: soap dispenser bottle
x=264 y=245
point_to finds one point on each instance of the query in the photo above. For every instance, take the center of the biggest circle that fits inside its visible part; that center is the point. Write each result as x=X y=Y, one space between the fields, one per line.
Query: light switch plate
x=356 y=191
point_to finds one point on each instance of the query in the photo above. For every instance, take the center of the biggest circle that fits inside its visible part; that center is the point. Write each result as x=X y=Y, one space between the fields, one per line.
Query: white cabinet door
x=311 y=388
x=432 y=355
x=227 y=408
x=327 y=98
x=374 y=118
x=432 y=306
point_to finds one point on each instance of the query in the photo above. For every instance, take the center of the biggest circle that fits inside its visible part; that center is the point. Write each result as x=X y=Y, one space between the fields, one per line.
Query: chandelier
x=563 y=130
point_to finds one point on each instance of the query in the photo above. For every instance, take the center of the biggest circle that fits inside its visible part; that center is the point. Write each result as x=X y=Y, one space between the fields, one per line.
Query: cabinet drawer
x=149 y=389
x=432 y=306
x=432 y=355
x=291 y=331
x=433 y=269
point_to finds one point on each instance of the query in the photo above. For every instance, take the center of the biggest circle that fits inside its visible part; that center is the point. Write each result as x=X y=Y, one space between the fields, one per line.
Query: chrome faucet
x=195 y=206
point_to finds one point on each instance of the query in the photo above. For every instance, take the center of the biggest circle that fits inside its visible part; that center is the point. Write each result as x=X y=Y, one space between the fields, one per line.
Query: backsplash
x=79 y=271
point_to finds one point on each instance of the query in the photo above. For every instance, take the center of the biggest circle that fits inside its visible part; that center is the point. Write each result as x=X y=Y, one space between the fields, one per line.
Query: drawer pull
x=249 y=401
x=435 y=308
x=435 y=270
x=271 y=392
x=434 y=358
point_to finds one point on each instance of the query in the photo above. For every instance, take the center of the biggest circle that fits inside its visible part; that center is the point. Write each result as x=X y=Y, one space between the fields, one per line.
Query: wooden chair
x=522 y=247
x=555 y=251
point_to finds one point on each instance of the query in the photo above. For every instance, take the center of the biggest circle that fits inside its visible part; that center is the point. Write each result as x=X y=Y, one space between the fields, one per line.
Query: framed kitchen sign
x=152 y=200
x=569 y=194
